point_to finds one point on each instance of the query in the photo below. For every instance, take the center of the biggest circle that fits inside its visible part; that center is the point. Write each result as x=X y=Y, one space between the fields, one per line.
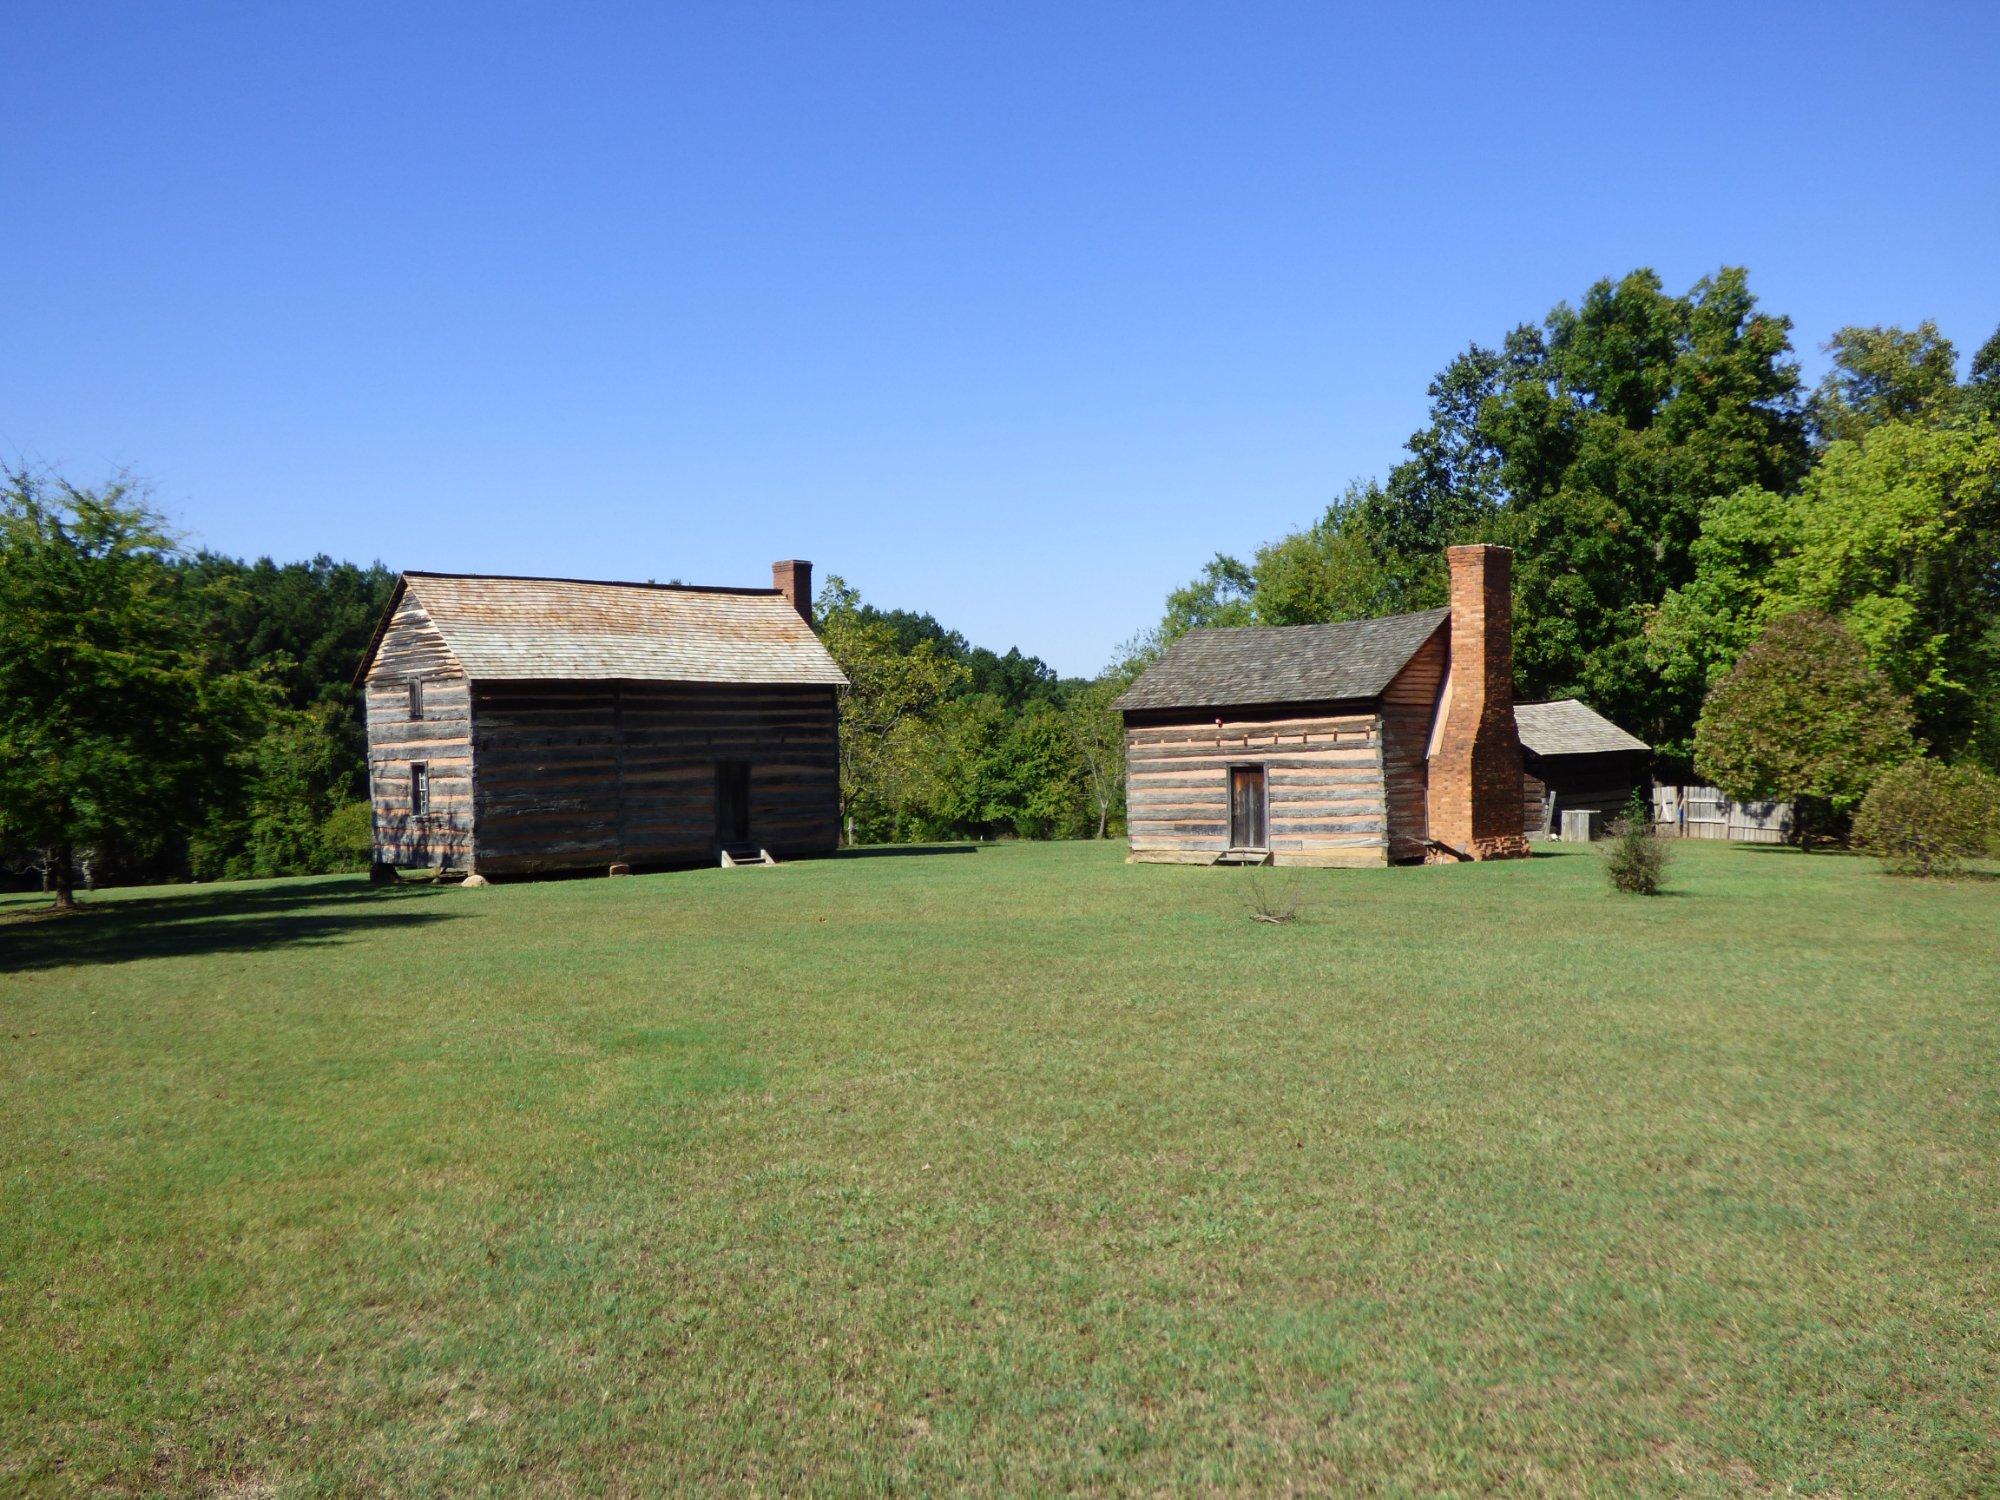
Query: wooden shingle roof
x=1236 y=666
x=541 y=629
x=1569 y=726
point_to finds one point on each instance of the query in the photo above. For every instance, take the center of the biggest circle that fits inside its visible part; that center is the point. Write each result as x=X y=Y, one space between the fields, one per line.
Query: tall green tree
x=1098 y=730
x=117 y=721
x=1642 y=405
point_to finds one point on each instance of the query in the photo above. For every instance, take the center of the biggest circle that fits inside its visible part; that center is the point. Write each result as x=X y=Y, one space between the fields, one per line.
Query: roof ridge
x=602 y=583
x=1410 y=614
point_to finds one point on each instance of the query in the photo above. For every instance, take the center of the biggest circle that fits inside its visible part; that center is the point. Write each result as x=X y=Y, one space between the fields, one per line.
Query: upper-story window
x=416 y=697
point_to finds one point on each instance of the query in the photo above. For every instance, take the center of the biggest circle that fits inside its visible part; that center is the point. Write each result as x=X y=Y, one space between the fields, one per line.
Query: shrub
x=1635 y=857
x=1802 y=718
x=349 y=835
x=1923 y=818
x=1276 y=903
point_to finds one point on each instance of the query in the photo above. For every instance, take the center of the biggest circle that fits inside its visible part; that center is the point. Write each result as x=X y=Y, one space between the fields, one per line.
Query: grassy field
x=1014 y=1169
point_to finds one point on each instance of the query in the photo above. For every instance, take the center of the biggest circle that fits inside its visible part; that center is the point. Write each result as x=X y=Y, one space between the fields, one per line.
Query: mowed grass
x=1019 y=1169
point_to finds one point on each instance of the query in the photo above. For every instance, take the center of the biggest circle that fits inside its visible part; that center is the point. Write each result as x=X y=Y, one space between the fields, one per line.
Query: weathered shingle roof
x=1569 y=727
x=527 y=629
x=1240 y=665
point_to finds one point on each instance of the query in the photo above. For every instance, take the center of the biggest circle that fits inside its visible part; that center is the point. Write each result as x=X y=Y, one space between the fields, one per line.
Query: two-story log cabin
x=518 y=725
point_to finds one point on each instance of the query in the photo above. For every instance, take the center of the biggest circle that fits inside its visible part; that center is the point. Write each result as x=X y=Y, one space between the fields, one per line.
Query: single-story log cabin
x=518 y=725
x=1573 y=758
x=1366 y=743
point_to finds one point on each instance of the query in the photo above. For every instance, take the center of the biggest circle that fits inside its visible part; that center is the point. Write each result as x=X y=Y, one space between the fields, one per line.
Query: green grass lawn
x=1016 y=1169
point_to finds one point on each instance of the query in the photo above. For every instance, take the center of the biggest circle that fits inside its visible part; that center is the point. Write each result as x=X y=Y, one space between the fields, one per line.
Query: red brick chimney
x=794 y=579
x=1475 y=769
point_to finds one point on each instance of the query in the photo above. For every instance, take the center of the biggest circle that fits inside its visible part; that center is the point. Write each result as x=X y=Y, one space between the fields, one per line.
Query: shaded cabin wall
x=1601 y=782
x=1323 y=772
x=441 y=739
x=1409 y=709
x=577 y=774
x=1534 y=803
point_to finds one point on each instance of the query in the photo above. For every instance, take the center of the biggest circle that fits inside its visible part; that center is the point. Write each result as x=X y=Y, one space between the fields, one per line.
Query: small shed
x=1573 y=758
x=518 y=725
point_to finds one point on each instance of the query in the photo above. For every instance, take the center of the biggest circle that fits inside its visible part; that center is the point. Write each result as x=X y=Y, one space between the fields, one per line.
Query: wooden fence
x=1701 y=812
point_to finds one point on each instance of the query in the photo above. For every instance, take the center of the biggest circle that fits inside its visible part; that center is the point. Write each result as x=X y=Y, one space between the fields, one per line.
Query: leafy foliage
x=1802 y=717
x=117 y=725
x=300 y=775
x=1635 y=856
x=1925 y=818
x=1883 y=375
x=893 y=692
x=1896 y=532
x=1098 y=730
x=940 y=739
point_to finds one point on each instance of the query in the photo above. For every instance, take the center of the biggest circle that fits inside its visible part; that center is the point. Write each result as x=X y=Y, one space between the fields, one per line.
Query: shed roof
x=1569 y=726
x=530 y=629
x=1229 y=666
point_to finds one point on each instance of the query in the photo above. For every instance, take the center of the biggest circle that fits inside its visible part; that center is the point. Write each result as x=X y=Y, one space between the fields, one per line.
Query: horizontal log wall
x=1534 y=806
x=1409 y=708
x=575 y=774
x=441 y=738
x=1323 y=774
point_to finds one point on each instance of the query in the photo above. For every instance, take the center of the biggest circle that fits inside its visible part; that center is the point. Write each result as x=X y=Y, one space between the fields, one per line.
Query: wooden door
x=732 y=802
x=1246 y=807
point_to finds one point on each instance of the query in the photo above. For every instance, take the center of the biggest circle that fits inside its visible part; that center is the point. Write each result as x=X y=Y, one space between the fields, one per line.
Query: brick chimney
x=1475 y=769
x=794 y=579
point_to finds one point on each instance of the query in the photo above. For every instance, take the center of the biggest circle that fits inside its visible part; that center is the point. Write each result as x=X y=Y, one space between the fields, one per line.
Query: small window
x=416 y=697
x=420 y=788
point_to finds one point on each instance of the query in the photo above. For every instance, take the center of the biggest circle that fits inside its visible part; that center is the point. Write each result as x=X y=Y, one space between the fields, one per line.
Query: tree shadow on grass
x=218 y=919
x=901 y=851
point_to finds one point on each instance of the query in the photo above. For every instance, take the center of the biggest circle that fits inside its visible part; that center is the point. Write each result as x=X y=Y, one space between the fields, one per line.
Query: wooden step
x=739 y=856
x=1242 y=857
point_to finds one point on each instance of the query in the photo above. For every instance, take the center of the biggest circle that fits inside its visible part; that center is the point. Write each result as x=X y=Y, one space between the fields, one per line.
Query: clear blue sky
x=1013 y=313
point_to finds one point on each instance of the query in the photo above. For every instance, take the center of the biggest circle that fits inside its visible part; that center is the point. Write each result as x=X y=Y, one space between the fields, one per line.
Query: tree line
x=1785 y=590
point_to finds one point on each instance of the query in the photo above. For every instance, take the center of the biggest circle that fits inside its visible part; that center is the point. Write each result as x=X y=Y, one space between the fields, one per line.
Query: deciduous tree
x=117 y=722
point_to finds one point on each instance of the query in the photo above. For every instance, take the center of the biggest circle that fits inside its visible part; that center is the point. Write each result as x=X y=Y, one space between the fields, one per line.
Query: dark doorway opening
x=1246 y=807
x=732 y=802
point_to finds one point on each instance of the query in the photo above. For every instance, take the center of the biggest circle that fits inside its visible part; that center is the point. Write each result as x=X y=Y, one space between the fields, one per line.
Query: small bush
x=1635 y=857
x=1924 y=818
x=349 y=835
x=1276 y=902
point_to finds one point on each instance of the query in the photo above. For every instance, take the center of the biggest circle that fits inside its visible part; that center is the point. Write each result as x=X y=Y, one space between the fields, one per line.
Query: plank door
x=732 y=802
x=1246 y=807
